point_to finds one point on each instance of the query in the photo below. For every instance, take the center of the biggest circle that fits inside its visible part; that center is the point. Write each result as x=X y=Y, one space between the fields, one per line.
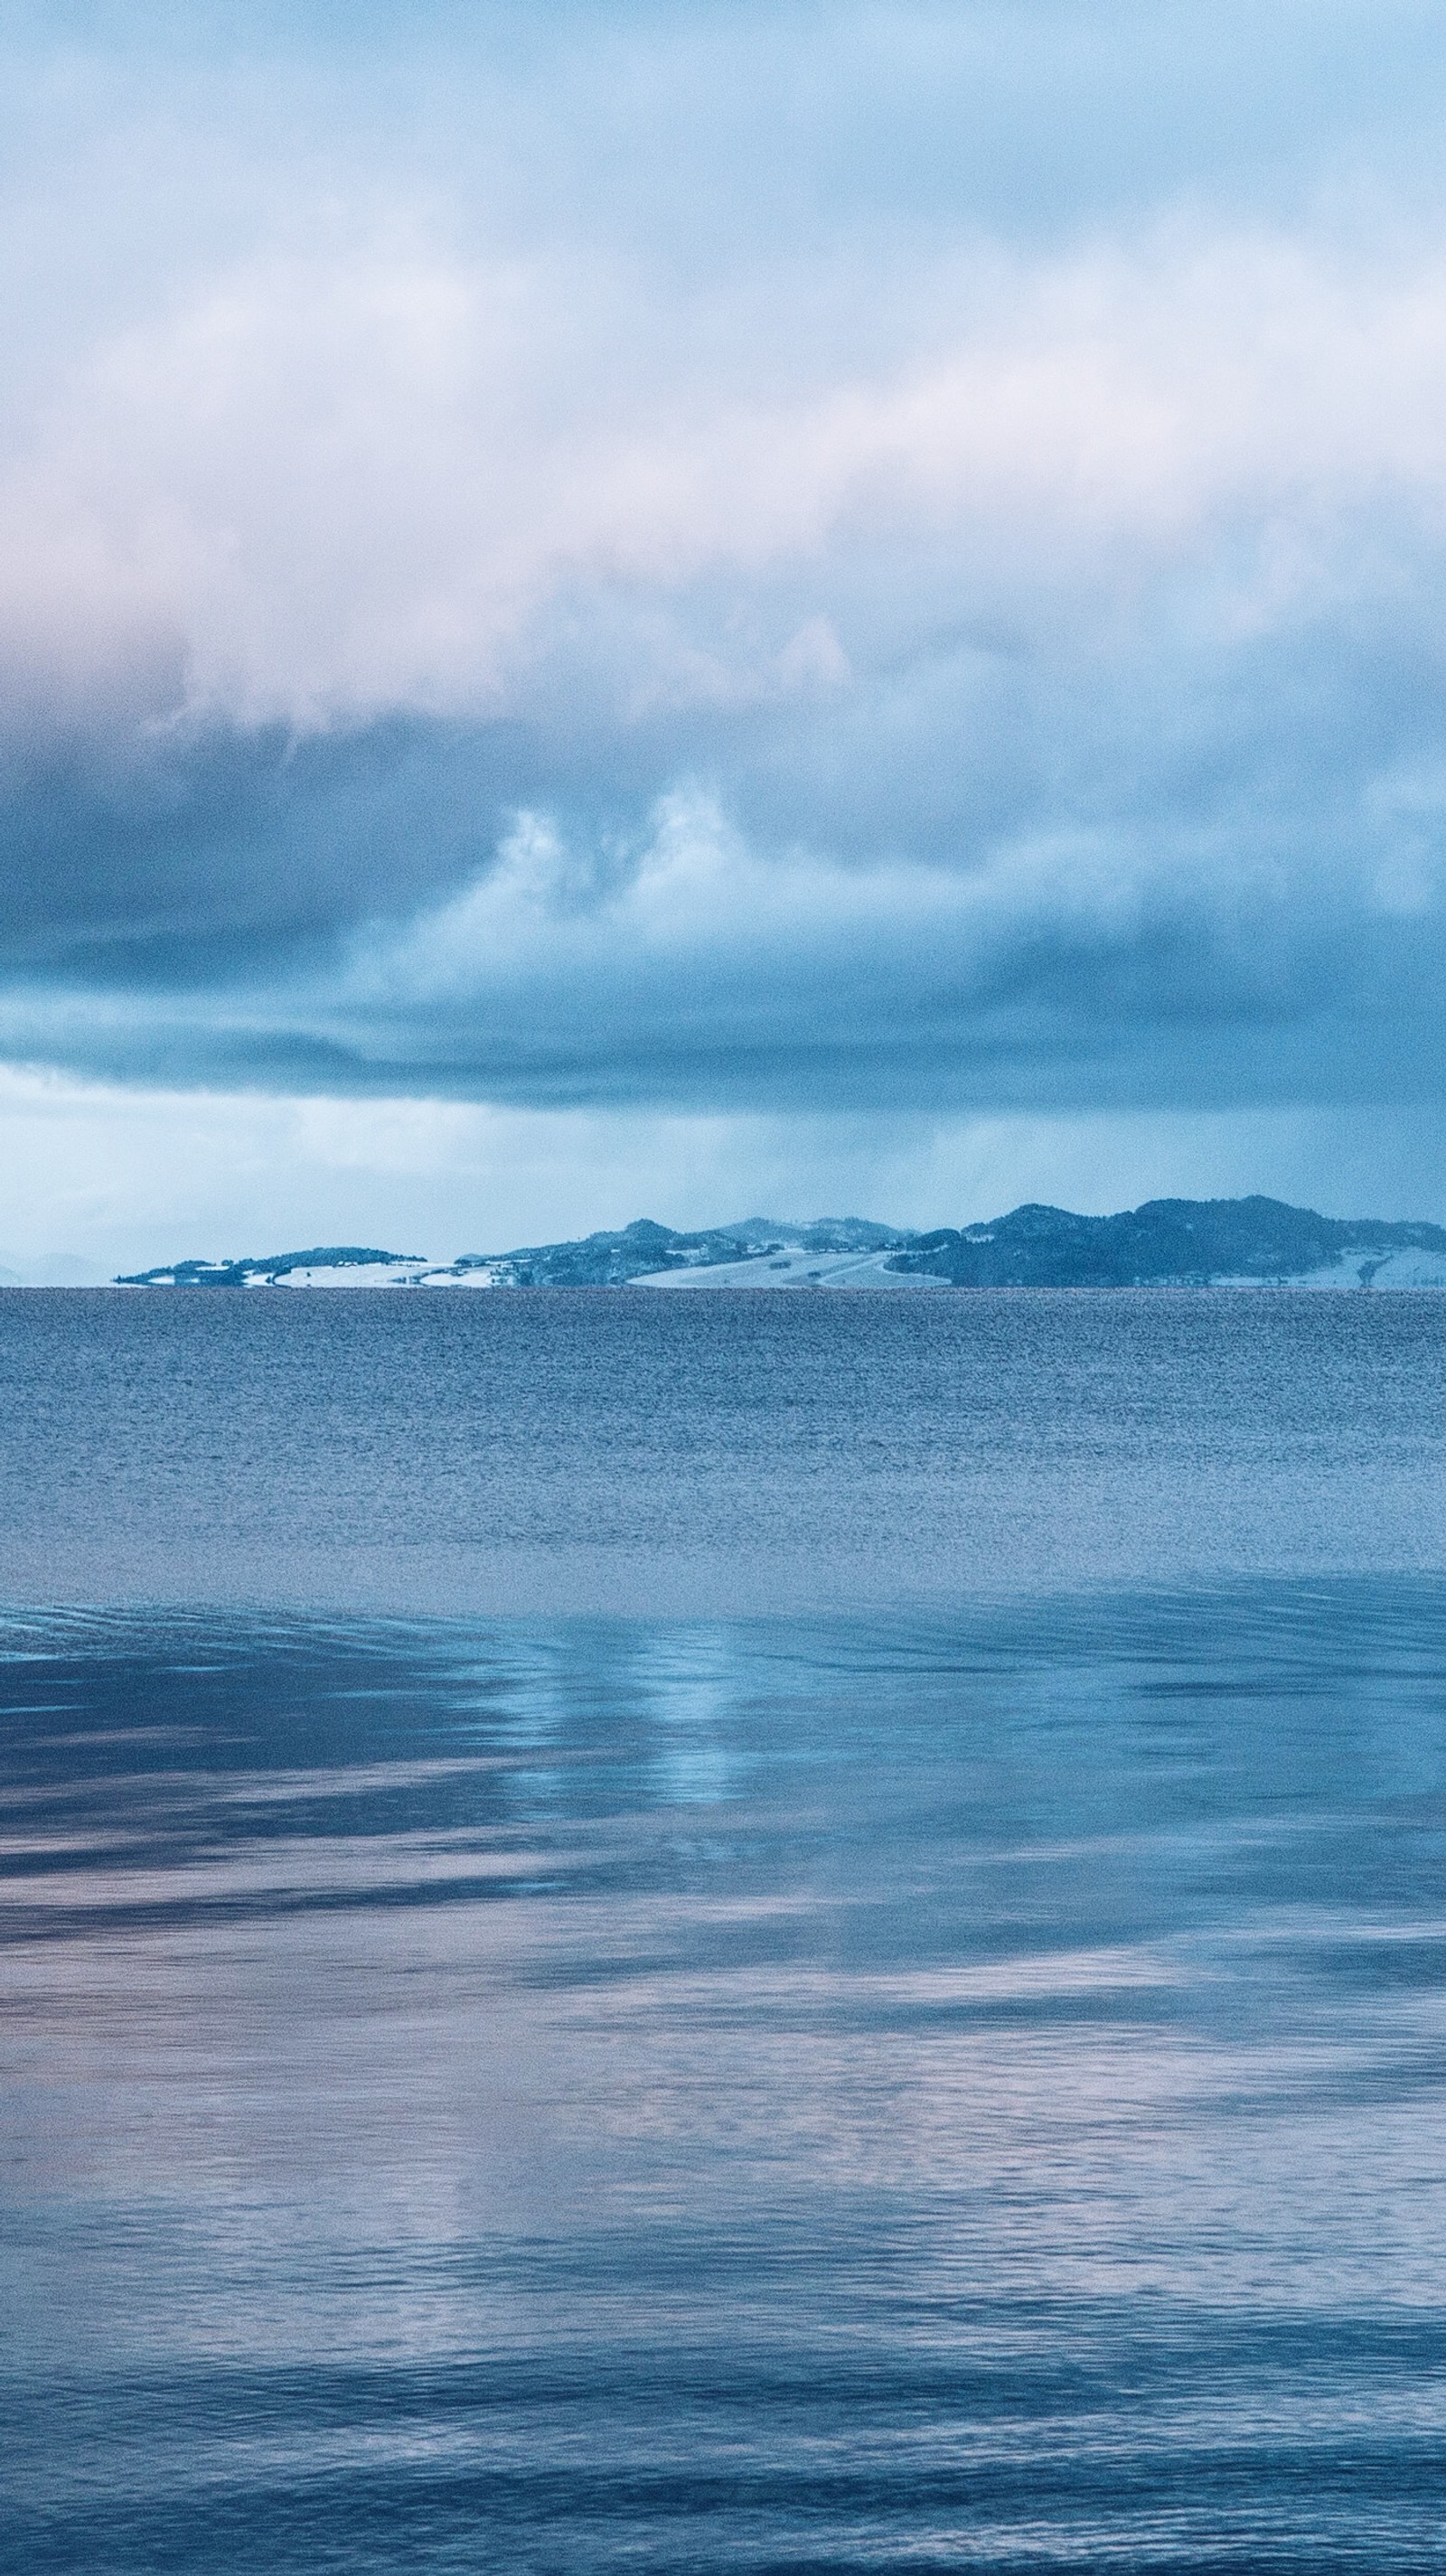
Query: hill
x=1166 y=1243
x=1177 y=1242
x=260 y=1269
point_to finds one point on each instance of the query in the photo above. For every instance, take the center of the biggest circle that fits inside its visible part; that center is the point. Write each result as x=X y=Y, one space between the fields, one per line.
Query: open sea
x=722 y=1933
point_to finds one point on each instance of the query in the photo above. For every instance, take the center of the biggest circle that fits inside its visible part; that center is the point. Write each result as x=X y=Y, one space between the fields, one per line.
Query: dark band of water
x=715 y=1453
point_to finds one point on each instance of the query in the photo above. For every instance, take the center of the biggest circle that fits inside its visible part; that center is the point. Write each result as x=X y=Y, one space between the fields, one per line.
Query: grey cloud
x=874 y=433
x=187 y=849
x=1178 y=871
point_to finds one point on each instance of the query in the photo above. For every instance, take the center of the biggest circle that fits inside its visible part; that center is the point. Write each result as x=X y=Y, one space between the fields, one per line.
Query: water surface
x=616 y=1449
x=951 y=2079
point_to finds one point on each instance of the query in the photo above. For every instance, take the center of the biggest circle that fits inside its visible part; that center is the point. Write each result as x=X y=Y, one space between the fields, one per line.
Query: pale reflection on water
x=795 y=2094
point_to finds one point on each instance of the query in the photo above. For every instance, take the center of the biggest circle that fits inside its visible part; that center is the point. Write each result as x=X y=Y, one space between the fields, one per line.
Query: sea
x=746 y=1933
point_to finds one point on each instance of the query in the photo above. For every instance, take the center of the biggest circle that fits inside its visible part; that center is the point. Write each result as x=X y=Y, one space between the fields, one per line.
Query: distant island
x=1167 y=1243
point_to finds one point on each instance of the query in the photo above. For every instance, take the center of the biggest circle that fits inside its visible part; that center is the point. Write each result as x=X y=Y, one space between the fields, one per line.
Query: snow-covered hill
x=1217 y=1243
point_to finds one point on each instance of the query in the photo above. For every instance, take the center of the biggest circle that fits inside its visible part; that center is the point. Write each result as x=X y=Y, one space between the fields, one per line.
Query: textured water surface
x=722 y=1933
x=710 y=1453
x=881 y=2091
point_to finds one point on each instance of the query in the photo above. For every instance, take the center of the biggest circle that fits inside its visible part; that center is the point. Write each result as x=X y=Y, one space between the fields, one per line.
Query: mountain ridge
x=1179 y=1242
x=1162 y=1243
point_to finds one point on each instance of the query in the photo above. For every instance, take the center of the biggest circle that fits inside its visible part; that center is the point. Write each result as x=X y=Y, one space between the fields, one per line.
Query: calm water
x=723 y=1934
x=702 y=1454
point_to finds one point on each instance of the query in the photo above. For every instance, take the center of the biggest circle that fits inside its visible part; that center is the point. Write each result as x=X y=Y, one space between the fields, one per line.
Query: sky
x=700 y=609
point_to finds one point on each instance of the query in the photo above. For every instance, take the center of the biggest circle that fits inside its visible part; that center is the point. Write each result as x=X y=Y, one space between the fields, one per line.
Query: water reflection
x=794 y=2094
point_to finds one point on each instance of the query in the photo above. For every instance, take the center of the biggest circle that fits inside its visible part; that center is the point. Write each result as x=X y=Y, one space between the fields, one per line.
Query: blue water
x=694 y=1453
x=921 y=2046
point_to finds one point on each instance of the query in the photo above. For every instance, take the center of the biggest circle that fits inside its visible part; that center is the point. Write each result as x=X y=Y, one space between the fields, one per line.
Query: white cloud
x=903 y=613
x=350 y=483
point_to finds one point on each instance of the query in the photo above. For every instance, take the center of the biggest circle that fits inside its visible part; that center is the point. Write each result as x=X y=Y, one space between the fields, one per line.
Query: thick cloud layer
x=727 y=557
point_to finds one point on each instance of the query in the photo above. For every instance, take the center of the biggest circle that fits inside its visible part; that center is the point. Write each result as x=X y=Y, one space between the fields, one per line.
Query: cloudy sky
x=681 y=606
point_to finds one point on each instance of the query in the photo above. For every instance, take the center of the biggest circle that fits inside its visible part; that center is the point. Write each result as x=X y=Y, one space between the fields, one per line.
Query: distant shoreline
x=1166 y=1243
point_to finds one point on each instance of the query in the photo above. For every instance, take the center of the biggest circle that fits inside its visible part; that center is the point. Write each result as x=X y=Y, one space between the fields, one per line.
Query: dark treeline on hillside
x=612 y=1260
x=1184 y=1241
x=1167 y=1242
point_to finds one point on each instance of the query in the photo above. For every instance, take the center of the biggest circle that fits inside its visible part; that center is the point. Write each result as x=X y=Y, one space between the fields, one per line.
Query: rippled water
x=948 y=2082
x=631 y=1450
